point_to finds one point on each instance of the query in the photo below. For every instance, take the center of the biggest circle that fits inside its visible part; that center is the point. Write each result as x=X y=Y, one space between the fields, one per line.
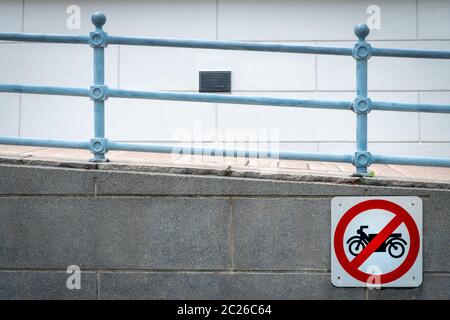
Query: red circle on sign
x=400 y=213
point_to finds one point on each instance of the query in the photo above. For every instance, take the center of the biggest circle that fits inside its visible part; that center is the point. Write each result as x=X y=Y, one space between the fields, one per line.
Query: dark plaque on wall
x=215 y=81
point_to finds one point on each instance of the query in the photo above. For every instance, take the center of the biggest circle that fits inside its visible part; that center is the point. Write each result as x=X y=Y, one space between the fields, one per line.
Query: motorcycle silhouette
x=394 y=244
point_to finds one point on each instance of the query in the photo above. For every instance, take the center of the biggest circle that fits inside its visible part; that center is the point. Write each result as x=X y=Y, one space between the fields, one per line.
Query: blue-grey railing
x=99 y=92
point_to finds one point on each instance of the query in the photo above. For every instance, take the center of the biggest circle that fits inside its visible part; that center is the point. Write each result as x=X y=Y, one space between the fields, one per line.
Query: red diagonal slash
x=376 y=242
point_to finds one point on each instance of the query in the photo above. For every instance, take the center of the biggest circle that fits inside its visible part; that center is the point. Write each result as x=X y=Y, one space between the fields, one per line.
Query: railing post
x=98 y=40
x=361 y=104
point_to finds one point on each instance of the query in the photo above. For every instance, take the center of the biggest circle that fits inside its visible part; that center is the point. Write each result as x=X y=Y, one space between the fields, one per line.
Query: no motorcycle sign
x=376 y=241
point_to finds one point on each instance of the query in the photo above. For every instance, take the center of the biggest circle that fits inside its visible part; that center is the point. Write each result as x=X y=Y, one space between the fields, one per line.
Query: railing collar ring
x=98 y=38
x=362 y=50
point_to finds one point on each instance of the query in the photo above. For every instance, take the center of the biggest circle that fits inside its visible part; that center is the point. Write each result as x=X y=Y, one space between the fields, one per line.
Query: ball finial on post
x=362 y=31
x=98 y=19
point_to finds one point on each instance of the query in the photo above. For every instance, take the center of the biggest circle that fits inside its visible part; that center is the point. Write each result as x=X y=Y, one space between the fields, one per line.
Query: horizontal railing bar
x=60 y=91
x=39 y=37
x=180 y=149
x=410 y=53
x=224 y=45
x=50 y=143
x=229 y=45
x=410 y=107
x=222 y=98
x=413 y=161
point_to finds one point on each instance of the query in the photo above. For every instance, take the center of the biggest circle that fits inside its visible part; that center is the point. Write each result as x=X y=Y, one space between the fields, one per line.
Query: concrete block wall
x=145 y=235
x=404 y=23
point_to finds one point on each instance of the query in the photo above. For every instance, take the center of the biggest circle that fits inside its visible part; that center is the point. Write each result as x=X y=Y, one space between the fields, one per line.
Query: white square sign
x=376 y=242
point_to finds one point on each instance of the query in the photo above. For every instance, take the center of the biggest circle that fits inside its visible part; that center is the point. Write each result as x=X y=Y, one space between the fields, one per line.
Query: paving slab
x=18 y=151
x=61 y=154
x=224 y=165
x=426 y=173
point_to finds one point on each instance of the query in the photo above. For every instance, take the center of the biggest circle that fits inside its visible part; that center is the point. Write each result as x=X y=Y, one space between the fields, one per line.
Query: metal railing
x=99 y=92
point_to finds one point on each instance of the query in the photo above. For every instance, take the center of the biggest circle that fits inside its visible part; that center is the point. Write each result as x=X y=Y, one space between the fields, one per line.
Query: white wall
x=404 y=23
